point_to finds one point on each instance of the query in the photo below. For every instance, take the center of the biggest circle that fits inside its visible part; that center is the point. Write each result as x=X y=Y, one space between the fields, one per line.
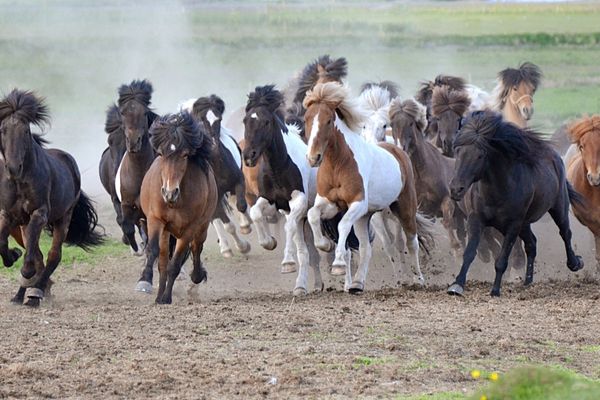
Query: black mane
x=140 y=91
x=113 y=121
x=265 y=96
x=527 y=72
x=212 y=102
x=390 y=86
x=334 y=70
x=26 y=106
x=175 y=133
x=487 y=130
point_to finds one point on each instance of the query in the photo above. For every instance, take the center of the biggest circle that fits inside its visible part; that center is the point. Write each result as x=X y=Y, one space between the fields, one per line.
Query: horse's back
x=297 y=149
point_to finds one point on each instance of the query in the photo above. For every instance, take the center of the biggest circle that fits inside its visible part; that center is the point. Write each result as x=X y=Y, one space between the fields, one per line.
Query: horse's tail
x=82 y=229
x=425 y=232
x=575 y=198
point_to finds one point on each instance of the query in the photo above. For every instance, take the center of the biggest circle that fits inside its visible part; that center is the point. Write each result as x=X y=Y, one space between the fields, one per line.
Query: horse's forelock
x=411 y=109
x=212 y=102
x=337 y=97
x=265 y=96
x=25 y=106
x=583 y=126
x=444 y=98
x=137 y=90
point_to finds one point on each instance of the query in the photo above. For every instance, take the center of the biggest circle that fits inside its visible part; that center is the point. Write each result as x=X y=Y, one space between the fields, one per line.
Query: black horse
x=515 y=178
x=39 y=188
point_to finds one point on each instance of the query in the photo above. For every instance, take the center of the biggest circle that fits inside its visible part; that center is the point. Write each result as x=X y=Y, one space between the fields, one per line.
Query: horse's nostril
x=176 y=192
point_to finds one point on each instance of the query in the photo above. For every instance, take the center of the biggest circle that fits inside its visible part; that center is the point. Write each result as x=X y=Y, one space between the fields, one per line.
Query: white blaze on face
x=314 y=131
x=211 y=117
x=172 y=147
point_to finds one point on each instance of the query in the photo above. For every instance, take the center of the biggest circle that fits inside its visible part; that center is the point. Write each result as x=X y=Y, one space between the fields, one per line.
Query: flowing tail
x=425 y=232
x=82 y=229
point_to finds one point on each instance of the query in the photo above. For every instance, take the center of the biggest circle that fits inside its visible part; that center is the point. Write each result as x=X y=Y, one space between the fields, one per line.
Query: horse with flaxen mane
x=39 y=189
x=514 y=177
x=137 y=117
x=375 y=100
x=583 y=171
x=358 y=177
x=513 y=94
x=448 y=106
x=432 y=170
x=179 y=197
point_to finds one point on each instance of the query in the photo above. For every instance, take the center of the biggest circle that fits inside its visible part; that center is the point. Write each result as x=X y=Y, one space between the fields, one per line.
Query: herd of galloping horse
x=337 y=170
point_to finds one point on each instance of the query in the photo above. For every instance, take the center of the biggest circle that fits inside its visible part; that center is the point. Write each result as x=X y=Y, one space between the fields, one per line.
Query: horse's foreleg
x=355 y=211
x=294 y=232
x=242 y=245
x=597 y=242
x=157 y=246
x=361 y=229
x=117 y=206
x=560 y=215
x=199 y=273
x=408 y=220
x=172 y=271
x=502 y=261
x=322 y=209
x=475 y=227
x=242 y=207
x=530 y=242
x=128 y=226
x=258 y=214
x=33 y=230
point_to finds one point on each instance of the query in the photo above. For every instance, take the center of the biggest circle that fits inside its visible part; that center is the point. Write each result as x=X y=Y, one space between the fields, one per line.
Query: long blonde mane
x=337 y=97
x=376 y=100
x=411 y=109
x=583 y=126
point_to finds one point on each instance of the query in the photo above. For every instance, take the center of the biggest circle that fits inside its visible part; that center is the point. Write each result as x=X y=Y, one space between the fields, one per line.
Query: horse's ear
x=321 y=71
x=308 y=101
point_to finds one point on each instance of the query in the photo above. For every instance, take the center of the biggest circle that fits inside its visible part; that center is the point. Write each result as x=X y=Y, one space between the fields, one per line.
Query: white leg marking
x=221 y=234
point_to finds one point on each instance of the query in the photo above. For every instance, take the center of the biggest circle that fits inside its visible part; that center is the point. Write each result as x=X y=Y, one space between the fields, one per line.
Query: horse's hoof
x=245 y=230
x=138 y=253
x=15 y=254
x=144 y=287
x=356 y=288
x=227 y=253
x=244 y=248
x=270 y=245
x=495 y=293
x=528 y=281
x=419 y=281
x=456 y=290
x=319 y=288
x=17 y=300
x=288 y=268
x=27 y=282
x=337 y=270
x=577 y=266
x=33 y=302
x=300 y=291
x=163 y=301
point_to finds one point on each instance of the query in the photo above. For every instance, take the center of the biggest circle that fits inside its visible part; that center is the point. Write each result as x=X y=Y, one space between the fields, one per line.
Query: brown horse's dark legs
x=561 y=219
x=128 y=225
x=37 y=221
x=502 y=261
x=240 y=197
x=117 y=206
x=199 y=273
x=9 y=256
x=530 y=242
x=173 y=269
x=164 y=253
x=475 y=228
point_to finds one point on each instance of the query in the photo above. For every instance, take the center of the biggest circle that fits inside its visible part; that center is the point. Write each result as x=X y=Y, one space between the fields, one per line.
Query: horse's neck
x=511 y=113
x=142 y=159
x=338 y=151
x=276 y=154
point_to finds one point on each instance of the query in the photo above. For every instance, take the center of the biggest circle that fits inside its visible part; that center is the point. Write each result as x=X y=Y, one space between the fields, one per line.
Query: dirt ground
x=245 y=336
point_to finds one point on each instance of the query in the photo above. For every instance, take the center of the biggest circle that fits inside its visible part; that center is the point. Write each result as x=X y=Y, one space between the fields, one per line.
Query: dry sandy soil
x=245 y=336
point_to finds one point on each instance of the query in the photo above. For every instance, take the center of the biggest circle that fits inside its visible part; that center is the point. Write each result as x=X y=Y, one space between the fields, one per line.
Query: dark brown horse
x=39 y=189
x=134 y=107
x=448 y=106
x=179 y=198
x=515 y=178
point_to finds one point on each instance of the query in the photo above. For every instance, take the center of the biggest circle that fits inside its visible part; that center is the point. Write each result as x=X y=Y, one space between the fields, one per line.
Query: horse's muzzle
x=593 y=180
x=315 y=160
x=527 y=112
x=170 y=196
x=250 y=158
x=14 y=173
x=457 y=192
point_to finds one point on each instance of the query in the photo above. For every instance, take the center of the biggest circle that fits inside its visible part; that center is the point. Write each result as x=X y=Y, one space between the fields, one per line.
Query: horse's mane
x=294 y=115
x=113 y=122
x=487 y=130
x=175 y=133
x=269 y=97
x=583 y=126
x=140 y=91
x=26 y=106
x=323 y=69
x=390 y=86
x=337 y=97
x=445 y=98
x=510 y=77
x=374 y=97
x=212 y=102
x=425 y=91
x=409 y=108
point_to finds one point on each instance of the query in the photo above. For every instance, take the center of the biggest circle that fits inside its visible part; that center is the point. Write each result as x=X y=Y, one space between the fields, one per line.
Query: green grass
x=540 y=383
x=434 y=396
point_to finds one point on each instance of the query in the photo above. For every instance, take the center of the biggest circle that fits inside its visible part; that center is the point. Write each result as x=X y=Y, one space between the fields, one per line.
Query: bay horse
x=433 y=171
x=137 y=117
x=226 y=162
x=448 y=106
x=40 y=189
x=515 y=177
x=285 y=180
x=111 y=159
x=178 y=196
x=358 y=177
x=583 y=172
x=514 y=91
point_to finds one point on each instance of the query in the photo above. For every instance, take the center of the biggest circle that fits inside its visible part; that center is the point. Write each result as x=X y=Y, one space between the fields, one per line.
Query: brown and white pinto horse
x=583 y=171
x=359 y=177
x=178 y=197
x=513 y=94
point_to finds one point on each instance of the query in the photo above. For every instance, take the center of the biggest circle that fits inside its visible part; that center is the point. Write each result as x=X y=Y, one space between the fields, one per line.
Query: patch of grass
x=540 y=383
x=591 y=348
x=364 y=361
x=434 y=396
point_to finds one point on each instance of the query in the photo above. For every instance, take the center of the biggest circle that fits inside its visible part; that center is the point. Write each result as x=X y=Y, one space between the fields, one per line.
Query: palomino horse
x=134 y=107
x=356 y=176
x=448 y=106
x=433 y=171
x=111 y=158
x=178 y=197
x=226 y=162
x=513 y=94
x=583 y=171
x=285 y=179
x=515 y=178
x=39 y=188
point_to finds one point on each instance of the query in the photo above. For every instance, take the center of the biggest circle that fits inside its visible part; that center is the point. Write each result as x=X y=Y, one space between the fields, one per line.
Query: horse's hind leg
x=224 y=246
x=560 y=215
x=408 y=220
x=314 y=258
x=361 y=229
x=379 y=221
x=242 y=208
x=449 y=222
x=9 y=256
x=530 y=242
x=510 y=237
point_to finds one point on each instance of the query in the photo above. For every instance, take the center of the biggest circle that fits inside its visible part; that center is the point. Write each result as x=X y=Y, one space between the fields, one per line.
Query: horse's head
x=408 y=121
x=134 y=105
x=375 y=98
x=586 y=134
x=448 y=107
x=210 y=111
x=517 y=87
x=17 y=111
x=319 y=121
x=262 y=121
x=178 y=140
x=471 y=149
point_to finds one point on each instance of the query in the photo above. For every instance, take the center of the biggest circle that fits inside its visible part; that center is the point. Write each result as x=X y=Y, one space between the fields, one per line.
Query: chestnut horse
x=39 y=189
x=359 y=177
x=178 y=197
x=583 y=171
x=513 y=94
x=515 y=177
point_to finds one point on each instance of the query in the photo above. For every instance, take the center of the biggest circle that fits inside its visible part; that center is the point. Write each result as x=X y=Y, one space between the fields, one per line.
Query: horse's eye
x=514 y=88
x=384 y=126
